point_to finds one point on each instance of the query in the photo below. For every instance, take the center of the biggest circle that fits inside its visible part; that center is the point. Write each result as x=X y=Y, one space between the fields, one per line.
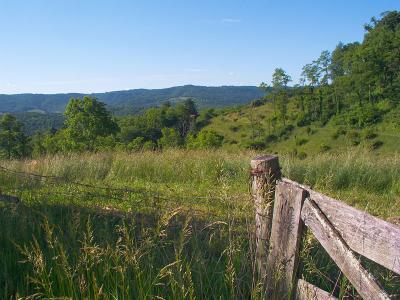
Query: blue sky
x=94 y=46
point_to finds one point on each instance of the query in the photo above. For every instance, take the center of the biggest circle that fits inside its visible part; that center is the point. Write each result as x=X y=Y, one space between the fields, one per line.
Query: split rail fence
x=284 y=208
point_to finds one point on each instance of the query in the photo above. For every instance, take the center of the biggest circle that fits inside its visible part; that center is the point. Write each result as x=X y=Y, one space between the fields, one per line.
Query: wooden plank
x=265 y=171
x=367 y=235
x=340 y=252
x=285 y=240
x=308 y=291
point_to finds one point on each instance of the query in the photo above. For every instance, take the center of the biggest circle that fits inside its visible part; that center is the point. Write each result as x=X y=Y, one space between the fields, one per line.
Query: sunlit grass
x=175 y=224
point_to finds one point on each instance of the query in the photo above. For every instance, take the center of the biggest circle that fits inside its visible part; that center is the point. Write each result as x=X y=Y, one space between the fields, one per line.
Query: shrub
x=205 y=139
x=271 y=138
x=285 y=131
x=360 y=117
x=302 y=155
x=170 y=138
x=341 y=131
x=303 y=120
x=149 y=146
x=369 y=134
x=136 y=144
x=301 y=141
x=354 y=137
x=377 y=144
x=324 y=147
x=256 y=145
x=234 y=128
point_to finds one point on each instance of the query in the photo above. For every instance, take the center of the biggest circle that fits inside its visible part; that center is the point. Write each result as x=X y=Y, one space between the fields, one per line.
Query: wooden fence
x=283 y=207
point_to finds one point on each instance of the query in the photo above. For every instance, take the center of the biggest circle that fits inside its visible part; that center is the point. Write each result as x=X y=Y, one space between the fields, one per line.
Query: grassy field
x=245 y=124
x=166 y=225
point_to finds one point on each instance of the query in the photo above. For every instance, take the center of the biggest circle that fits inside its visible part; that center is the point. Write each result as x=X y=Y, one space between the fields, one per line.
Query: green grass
x=175 y=225
x=245 y=124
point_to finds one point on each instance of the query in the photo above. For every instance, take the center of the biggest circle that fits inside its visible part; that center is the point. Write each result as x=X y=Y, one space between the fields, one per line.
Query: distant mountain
x=132 y=101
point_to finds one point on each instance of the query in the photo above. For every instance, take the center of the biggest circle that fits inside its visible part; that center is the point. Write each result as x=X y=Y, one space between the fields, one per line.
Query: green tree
x=280 y=80
x=86 y=120
x=206 y=139
x=13 y=141
x=186 y=114
x=170 y=138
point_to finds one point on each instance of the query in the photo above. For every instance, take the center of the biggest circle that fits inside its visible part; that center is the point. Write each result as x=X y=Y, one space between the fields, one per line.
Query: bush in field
x=301 y=141
x=369 y=134
x=324 y=147
x=376 y=144
x=302 y=155
x=136 y=144
x=149 y=146
x=256 y=145
x=204 y=140
x=354 y=137
x=234 y=128
x=170 y=138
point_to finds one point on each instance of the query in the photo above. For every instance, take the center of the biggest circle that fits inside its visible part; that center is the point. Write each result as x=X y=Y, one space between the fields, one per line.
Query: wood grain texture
x=285 y=240
x=367 y=235
x=308 y=291
x=265 y=171
x=340 y=252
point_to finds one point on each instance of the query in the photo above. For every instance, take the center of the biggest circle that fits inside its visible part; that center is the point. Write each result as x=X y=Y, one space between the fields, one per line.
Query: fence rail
x=284 y=208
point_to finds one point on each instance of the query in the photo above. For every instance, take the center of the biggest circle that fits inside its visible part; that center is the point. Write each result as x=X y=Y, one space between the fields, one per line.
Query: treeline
x=89 y=126
x=40 y=122
x=353 y=86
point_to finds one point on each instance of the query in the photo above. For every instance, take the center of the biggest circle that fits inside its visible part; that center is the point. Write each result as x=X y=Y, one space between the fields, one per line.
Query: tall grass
x=360 y=178
x=181 y=227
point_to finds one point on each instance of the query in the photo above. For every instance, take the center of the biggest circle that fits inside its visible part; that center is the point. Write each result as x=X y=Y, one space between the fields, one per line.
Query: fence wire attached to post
x=265 y=172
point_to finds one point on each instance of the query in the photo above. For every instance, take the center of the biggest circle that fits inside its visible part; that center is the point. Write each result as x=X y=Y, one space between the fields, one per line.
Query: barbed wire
x=60 y=179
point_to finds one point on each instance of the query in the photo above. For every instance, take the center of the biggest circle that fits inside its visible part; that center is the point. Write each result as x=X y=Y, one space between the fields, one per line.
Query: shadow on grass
x=100 y=253
x=318 y=268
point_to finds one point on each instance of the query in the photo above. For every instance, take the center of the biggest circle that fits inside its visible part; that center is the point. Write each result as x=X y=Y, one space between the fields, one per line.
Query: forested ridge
x=349 y=93
x=133 y=101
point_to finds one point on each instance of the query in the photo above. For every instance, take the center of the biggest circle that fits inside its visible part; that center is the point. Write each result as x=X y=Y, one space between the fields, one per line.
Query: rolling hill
x=253 y=128
x=132 y=101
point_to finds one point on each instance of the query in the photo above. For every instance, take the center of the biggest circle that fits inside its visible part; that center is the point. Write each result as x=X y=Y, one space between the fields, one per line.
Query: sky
x=59 y=46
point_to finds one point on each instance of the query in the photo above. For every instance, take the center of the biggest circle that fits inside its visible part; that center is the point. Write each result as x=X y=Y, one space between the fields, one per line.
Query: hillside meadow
x=256 y=127
x=176 y=224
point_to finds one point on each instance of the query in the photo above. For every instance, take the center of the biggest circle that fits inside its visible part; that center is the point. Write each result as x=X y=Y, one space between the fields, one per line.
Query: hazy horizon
x=53 y=47
x=161 y=88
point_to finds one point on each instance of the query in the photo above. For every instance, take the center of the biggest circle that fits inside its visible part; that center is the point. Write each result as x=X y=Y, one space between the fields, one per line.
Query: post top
x=264 y=157
x=262 y=163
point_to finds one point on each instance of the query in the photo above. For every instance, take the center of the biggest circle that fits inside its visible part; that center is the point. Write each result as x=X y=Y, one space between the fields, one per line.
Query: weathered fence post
x=265 y=171
x=285 y=241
